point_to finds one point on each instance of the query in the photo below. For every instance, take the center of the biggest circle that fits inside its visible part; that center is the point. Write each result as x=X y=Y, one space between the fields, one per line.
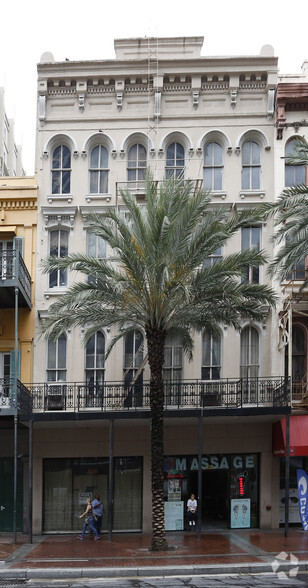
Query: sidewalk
x=240 y=551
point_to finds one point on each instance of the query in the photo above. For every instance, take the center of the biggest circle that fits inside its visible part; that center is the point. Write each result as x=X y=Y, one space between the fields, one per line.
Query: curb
x=101 y=572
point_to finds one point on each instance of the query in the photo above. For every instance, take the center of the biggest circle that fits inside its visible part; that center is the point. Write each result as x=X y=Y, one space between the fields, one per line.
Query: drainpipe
x=287 y=477
x=15 y=416
x=30 y=490
x=287 y=465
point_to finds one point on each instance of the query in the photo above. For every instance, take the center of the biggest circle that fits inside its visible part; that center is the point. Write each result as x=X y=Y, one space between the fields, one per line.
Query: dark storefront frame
x=216 y=462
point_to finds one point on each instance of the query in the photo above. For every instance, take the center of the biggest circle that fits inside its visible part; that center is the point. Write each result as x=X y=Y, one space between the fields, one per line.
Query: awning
x=298 y=436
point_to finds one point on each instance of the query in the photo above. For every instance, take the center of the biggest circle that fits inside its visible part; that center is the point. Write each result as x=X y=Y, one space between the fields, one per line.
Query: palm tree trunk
x=155 y=341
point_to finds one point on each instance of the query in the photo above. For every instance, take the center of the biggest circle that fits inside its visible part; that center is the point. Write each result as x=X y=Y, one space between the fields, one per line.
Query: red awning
x=298 y=436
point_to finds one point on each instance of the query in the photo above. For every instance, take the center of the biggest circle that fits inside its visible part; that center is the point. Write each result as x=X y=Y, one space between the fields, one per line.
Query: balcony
x=12 y=400
x=255 y=394
x=13 y=273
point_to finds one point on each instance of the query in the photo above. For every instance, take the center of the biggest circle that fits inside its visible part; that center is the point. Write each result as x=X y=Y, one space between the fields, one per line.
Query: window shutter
x=18 y=244
x=12 y=364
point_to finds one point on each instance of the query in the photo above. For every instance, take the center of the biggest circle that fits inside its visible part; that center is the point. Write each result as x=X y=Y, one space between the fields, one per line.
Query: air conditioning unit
x=211 y=392
x=56 y=396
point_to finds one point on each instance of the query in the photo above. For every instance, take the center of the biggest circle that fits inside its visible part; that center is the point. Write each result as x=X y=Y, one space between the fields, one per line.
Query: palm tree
x=291 y=220
x=155 y=281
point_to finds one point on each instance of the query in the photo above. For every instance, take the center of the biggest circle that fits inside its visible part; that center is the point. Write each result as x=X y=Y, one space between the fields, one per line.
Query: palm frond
x=155 y=277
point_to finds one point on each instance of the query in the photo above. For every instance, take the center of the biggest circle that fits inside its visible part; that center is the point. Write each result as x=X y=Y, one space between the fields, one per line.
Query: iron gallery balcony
x=14 y=273
x=253 y=394
x=14 y=398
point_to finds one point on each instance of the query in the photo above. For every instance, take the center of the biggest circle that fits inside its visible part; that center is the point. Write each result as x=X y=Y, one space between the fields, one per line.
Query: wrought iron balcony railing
x=115 y=396
x=13 y=271
x=14 y=397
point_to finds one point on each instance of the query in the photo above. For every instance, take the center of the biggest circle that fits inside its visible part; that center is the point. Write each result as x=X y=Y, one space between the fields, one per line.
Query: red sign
x=241 y=480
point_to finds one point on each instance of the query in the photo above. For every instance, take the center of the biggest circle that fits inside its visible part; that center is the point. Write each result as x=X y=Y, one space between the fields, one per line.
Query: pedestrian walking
x=89 y=519
x=97 y=507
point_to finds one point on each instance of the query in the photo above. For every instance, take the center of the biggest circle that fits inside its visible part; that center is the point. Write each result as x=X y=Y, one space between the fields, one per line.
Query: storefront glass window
x=69 y=482
x=128 y=493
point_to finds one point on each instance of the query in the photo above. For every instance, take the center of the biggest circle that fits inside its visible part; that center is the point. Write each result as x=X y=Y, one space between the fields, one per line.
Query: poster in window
x=174 y=489
x=240 y=513
x=174 y=516
x=83 y=496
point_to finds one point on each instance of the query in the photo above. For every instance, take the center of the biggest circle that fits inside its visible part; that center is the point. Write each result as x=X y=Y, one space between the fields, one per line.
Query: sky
x=81 y=30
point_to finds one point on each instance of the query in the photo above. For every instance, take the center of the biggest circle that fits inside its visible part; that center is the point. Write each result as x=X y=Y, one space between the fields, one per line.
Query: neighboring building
x=18 y=216
x=291 y=122
x=10 y=153
x=100 y=124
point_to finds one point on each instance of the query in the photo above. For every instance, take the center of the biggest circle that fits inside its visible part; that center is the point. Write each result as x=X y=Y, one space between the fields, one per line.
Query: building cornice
x=292 y=97
x=18 y=203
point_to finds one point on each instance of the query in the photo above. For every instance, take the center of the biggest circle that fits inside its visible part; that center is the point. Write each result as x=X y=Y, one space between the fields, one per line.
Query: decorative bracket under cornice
x=233 y=98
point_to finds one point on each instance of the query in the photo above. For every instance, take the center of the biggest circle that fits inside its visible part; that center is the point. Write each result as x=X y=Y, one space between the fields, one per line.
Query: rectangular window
x=251 y=239
x=214 y=258
x=58 y=247
x=56 y=360
x=211 y=357
x=96 y=247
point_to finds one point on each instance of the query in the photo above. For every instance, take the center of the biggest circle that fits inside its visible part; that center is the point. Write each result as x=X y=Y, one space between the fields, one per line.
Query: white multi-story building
x=158 y=104
x=10 y=153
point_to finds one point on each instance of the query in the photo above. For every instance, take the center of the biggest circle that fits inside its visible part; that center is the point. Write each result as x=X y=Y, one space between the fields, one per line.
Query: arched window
x=251 y=166
x=211 y=357
x=58 y=247
x=249 y=353
x=175 y=161
x=136 y=163
x=294 y=174
x=56 y=360
x=212 y=167
x=173 y=359
x=95 y=359
x=99 y=170
x=61 y=170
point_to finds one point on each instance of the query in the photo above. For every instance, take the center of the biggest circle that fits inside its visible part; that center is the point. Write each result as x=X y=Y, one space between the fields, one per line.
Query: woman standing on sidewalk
x=89 y=519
